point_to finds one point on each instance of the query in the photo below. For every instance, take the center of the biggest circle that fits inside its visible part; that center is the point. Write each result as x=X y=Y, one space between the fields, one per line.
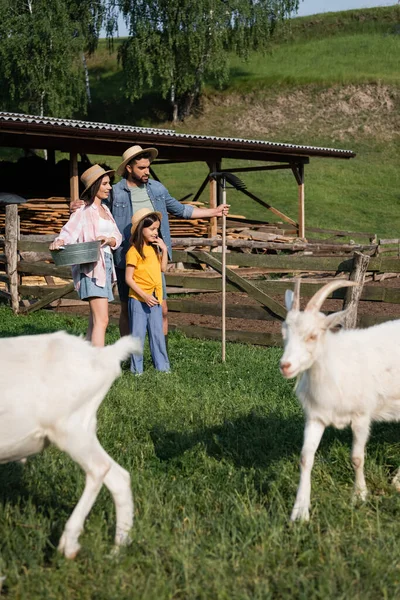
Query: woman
x=93 y=221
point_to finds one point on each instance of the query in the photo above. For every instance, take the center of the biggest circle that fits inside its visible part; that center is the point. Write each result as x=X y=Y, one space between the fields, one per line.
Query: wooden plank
x=290 y=263
x=38 y=291
x=54 y=295
x=364 y=321
x=40 y=268
x=243 y=337
x=276 y=308
x=210 y=308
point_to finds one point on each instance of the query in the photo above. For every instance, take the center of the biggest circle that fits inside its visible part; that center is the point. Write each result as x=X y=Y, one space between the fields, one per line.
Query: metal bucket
x=77 y=254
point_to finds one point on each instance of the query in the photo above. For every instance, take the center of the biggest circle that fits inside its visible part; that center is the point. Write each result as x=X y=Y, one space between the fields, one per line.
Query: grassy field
x=213 y=453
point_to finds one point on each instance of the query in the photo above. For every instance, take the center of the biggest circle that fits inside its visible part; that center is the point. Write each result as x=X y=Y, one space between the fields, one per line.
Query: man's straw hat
x=91 y=175
x=134 y=152
x=141 y=214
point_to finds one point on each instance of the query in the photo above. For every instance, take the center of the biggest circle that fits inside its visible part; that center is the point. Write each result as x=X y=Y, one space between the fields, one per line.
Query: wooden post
x=212 y=228
x=301 y=219
x=11 y=244
x=73 y=177
x=360 y=264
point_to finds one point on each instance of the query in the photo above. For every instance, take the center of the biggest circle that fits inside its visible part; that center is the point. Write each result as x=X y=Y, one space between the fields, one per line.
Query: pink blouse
x=83 y=226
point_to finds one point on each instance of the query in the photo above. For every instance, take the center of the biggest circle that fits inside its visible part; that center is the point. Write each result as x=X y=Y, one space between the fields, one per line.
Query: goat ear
x=289 y=295
x=335 y=319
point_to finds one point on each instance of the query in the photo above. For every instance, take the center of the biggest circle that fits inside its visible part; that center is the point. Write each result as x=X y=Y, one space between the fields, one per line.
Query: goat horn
x=296 y=295
x=319 y=297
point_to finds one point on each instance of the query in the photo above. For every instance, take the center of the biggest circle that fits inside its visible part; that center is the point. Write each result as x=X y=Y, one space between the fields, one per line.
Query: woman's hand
x=105 y=241
x=56 y=245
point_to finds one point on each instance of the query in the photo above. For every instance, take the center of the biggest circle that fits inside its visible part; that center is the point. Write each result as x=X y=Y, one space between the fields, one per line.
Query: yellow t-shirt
x=147 y=273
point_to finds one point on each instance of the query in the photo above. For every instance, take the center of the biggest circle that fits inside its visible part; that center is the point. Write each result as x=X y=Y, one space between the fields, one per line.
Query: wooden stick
x=223 y=274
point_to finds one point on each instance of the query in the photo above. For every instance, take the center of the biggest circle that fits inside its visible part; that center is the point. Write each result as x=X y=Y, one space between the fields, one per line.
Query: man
x=136 y=190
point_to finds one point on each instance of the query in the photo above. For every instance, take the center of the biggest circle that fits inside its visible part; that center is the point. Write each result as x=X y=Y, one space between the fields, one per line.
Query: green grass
x=213 y=453
x=340 y=59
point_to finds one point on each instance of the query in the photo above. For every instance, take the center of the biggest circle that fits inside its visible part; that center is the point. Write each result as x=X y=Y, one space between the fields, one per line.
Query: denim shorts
x=123 y=288
x=88 y=287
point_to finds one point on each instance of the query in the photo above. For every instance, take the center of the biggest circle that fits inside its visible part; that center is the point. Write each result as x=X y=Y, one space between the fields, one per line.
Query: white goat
x=51 y=388
x=351 y=377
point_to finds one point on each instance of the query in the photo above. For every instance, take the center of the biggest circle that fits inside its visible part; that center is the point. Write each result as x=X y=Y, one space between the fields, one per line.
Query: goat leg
x=312 y=436
x=118 y=481
x=85 y=449
x=360 y=428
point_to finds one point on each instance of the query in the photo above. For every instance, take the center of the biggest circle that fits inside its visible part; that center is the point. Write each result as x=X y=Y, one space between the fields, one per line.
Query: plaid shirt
x=83 y=226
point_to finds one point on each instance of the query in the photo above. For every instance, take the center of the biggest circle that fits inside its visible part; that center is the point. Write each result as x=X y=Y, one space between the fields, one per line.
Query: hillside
x=332 y=80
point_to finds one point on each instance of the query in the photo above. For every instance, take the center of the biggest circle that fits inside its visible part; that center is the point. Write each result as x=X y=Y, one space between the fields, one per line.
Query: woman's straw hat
x=141 y=214
x=134 y=152
x=91 y=175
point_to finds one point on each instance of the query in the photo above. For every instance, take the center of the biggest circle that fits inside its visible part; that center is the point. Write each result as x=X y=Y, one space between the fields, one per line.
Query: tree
x=176 y=44
x=42 y=53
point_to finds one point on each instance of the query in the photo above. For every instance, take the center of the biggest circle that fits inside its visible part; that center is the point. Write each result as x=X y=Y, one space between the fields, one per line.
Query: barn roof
x=87 y=137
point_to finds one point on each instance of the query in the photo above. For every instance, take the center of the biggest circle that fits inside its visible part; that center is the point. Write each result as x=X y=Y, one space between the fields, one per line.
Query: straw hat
x=134 y=152
x=91 y=175
x=141 y=214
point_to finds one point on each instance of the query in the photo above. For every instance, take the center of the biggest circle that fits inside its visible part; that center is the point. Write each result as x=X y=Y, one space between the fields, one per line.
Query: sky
x=311 y=7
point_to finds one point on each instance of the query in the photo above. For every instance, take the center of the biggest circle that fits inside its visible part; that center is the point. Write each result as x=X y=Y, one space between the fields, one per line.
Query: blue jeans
x=142 y=318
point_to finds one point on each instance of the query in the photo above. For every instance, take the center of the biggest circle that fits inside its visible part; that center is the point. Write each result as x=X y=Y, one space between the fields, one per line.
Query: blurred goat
x=351 y=377
x=52 y=387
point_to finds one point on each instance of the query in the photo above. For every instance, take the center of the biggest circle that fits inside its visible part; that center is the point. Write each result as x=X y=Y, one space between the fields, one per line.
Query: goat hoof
x=69 y=549
x=359 y=495
x=300 y=513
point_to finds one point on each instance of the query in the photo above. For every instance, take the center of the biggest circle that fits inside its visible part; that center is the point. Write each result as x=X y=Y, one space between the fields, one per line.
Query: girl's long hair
x=137 y=239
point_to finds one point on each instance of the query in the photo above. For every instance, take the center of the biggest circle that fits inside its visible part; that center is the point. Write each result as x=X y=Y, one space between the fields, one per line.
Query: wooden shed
x=85 y=137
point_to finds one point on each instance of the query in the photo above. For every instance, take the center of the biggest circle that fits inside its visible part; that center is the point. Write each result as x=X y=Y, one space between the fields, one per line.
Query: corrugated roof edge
x=24 y=118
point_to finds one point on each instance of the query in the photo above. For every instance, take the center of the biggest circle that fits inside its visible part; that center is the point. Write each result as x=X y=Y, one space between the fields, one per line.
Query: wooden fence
x=29 y=255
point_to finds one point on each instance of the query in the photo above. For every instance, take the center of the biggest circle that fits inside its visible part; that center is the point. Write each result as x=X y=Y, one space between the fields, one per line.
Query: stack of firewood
x=41 y=216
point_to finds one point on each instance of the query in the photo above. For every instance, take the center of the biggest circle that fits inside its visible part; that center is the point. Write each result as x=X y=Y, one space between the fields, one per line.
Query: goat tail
x=124 y=347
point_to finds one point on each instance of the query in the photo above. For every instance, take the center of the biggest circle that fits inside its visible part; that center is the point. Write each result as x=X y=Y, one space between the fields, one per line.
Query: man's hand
x=75 y=204
x=208 y=213
x=222 y=209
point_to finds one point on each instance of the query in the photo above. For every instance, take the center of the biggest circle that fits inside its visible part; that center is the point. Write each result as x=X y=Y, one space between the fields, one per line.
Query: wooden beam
x=276 y=309
x=265 y=168
x=276 y=212
x=353 y=294
x=49 y=298
x=73 y=176
x=298 y=172
x=201 y=188
x=11 y=237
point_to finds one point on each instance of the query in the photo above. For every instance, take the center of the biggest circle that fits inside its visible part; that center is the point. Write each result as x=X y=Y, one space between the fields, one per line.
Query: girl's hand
x=150 y=300
x=56 y=244
x=161 y=244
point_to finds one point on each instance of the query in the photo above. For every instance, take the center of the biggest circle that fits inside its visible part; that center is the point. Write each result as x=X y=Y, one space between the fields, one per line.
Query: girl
x=143 y=276
x=93 y=221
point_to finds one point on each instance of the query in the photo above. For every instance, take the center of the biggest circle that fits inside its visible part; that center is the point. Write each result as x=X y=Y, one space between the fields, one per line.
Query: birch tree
x=178 y=44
